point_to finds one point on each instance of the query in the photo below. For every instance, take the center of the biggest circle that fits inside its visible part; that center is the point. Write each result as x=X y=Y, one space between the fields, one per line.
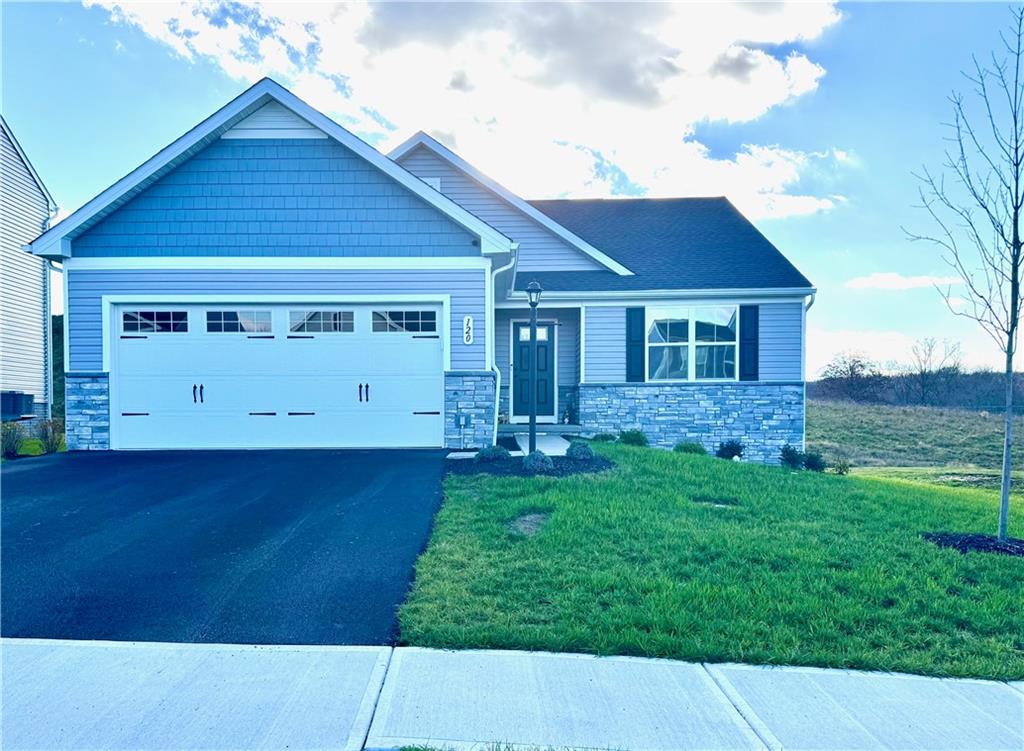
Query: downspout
x=494 y=340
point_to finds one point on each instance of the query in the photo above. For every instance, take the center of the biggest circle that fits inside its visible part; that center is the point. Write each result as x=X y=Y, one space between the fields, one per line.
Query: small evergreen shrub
x=51 y=435
x=814 y=462
x=492 y=454
x=729 y=450
x=579 y=450
x=11 y=436
x=604 y=438
x=537 y=463
x=690 y=447
x=633 y=438
x=841 y=466
x=791 y=457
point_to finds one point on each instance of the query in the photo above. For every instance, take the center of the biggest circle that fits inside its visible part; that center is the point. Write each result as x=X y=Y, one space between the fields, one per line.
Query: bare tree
x=933 y=370
x=975 y=202
x=851 y=375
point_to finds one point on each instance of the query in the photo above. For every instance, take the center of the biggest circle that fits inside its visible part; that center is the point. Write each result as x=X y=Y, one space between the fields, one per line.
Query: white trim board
x=421 y=139
x=556 y=298
x=55 y=241
x=369 y=263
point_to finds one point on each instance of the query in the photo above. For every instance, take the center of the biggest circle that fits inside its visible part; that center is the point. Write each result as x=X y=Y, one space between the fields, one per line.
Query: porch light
x=533 y=290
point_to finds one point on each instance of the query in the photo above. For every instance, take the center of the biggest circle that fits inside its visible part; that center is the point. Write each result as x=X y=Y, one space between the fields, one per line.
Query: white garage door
x=269 y=376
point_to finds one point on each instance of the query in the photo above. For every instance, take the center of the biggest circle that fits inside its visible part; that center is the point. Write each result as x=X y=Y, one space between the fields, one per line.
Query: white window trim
x=321 y=309
x=237 y=309
x=152 y=309
x=691 y=344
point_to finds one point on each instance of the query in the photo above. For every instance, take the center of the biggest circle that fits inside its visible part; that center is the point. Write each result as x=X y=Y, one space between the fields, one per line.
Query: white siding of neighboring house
x=24 y=303
x=539 y=248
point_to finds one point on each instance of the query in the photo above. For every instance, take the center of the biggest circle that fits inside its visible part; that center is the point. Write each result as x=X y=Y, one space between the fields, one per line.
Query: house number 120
x=467 y=330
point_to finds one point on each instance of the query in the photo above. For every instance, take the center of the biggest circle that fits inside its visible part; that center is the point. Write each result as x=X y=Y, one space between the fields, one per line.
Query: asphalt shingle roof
x=668 y=243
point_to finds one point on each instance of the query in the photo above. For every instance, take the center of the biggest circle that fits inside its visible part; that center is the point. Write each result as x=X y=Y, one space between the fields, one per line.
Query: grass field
x=701 y=559
x=878 y=435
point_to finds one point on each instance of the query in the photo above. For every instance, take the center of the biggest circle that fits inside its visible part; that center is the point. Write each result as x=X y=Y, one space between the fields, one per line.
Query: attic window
x=433 y=182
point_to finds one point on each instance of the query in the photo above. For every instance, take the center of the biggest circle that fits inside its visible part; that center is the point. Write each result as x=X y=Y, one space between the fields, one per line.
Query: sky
x=811 y=117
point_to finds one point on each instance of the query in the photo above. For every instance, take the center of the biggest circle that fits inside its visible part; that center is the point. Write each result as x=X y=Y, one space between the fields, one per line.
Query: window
x=524 y=333
x=321 y=321
x=154 y=321
x=411 y=321
x=687 y=344
x=237 y=321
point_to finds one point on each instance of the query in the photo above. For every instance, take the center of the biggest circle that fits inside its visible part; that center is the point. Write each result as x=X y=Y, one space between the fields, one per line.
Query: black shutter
x=749 y=342
x=634 y=344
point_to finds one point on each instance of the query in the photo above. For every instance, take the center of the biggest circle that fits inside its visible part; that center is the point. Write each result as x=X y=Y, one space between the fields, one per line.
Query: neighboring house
x=270 y=280
x=25 y=210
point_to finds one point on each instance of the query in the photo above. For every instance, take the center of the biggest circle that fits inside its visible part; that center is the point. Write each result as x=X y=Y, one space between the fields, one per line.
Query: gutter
x=492 y=365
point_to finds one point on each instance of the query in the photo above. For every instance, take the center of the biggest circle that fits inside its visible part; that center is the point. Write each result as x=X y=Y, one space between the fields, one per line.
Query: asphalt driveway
x=256 y=547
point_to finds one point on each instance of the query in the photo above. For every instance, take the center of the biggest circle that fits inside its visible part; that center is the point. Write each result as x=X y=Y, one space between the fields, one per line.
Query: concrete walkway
x=111 y=695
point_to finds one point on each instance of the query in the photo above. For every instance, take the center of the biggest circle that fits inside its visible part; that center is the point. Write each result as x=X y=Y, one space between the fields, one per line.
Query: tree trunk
x=1004 y=488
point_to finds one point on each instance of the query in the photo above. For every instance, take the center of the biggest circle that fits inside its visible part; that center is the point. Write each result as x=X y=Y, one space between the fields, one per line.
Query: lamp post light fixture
x=533 y=290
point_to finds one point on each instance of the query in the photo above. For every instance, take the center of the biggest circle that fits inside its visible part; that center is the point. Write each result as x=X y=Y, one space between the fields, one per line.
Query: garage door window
x=321 y=321
x=237 y=321
x=154 y=321
x=409 y=321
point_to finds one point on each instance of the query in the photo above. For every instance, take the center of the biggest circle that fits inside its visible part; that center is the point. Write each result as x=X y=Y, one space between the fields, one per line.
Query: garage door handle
x=367 y=392
x=200 y=393
x=360 y=392
x=193 y=393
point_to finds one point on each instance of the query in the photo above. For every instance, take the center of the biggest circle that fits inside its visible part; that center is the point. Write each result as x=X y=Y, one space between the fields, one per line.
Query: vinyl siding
x=539 y=249
x=24 y=306
x=275 y=197
x=568 y=320
x=273 y=120
x=87 y=286
x=780 y=343
x=604 y=346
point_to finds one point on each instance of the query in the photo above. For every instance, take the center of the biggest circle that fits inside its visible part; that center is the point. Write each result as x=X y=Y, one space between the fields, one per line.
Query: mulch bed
x=513 y=467
x=975 y=543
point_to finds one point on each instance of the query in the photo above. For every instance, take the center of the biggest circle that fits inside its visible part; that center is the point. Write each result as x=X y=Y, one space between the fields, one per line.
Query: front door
x=545 y=371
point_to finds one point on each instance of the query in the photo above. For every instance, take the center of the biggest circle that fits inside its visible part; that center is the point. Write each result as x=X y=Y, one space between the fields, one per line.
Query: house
x=26 y=208
x=270 y=280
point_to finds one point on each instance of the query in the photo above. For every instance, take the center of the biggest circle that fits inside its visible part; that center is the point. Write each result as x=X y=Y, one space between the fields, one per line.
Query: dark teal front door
x=545 y=370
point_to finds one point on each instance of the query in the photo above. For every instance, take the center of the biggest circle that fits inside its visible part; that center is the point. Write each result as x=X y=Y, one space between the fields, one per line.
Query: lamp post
x=533 y=290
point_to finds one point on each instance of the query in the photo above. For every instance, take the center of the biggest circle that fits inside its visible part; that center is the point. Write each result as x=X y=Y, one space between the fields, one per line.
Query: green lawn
x=879 y=435
x=767 y=566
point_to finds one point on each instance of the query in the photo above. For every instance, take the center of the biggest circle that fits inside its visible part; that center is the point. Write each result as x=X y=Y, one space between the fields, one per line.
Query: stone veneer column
x=469 y=393
x=87 y=411
x=762 y=416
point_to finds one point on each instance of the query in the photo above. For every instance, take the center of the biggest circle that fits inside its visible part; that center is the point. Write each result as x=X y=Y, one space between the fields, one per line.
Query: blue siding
x=568 y=343
x=781 y=342
x=86 y=287
x=539 y=248
x=276 y=197
x=604 y=346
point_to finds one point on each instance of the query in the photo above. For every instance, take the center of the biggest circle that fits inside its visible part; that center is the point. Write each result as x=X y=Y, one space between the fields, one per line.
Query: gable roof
x=422 y=140
x=28 y=165
x=55 y=241
x=671 y=244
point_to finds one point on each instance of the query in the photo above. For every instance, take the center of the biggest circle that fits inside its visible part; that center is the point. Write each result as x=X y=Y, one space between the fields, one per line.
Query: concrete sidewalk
x=111 y=695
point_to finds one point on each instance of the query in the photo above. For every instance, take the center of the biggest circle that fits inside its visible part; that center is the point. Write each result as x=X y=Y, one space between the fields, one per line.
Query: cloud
x=888 y=280
x=552 y=99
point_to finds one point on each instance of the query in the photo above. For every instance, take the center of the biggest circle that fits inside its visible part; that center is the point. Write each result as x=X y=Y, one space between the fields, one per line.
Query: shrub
x=579 y=450
x=538 y=462
x=51 y=435
x=492 y=454
x=12 y=436
x=690 y=447
x=604 y=438
x=633 y=438
x=729 y=450
x=841 y=466
x=814 y=461
x=791 y=457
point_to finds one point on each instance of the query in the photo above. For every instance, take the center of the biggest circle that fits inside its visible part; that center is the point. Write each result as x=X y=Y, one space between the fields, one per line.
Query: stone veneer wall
x=87 y=411
x=762 y=416
x=469 y=393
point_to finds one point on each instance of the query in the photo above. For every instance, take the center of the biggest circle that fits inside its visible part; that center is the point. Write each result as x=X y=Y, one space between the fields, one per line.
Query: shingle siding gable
x=539 y=248
x=276 y=197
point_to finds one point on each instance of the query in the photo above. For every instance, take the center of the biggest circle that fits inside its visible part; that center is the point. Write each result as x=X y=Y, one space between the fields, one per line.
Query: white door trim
x=553 y=419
